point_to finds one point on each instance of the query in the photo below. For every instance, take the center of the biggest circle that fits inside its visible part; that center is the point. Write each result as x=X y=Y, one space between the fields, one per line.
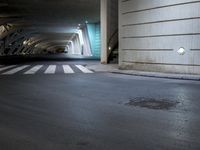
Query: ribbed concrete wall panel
x=171 y=43
x=151 y=32
x=163 y=14
x=157 y=57
x=142 y=5
x=173 y=28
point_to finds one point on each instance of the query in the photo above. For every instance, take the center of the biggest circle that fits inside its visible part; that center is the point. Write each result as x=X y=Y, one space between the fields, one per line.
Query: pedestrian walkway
x=114 y=68
x=43 y=69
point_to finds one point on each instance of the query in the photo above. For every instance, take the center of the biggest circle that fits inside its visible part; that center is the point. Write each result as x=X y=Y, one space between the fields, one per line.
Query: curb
x=159 y=76
x=145 y=74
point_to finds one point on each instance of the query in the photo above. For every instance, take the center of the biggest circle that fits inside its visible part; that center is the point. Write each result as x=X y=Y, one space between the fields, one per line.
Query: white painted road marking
x=67 y=69
x=34 y=69
x=15 y=70
x=7 y=67
x=83 y=69
x=51 y=69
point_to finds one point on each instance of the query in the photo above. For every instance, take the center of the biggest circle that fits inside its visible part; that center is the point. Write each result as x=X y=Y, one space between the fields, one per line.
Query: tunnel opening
x=29 y=32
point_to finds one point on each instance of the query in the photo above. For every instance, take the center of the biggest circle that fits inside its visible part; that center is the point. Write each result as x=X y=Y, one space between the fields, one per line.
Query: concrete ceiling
x=50 y=19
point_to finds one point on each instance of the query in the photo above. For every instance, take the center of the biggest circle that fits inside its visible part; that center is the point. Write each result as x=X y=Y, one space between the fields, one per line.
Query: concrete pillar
x=71 y=51
x=104 y=32
x=86 y=47
x=77 y=45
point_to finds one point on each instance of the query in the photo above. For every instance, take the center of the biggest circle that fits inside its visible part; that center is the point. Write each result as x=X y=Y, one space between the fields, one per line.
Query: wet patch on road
x=152 y=103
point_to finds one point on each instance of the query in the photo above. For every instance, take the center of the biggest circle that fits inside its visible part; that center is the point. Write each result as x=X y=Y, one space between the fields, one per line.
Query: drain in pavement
x=152 y=103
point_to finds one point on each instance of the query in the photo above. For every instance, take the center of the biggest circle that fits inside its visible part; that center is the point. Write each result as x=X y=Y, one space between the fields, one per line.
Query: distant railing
x=112 y=43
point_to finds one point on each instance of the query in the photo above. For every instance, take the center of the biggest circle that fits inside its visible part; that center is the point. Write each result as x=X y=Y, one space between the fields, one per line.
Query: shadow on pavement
x=9 y=60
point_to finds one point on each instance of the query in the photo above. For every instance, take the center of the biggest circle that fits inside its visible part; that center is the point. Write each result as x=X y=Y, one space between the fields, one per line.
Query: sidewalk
x=113 y=68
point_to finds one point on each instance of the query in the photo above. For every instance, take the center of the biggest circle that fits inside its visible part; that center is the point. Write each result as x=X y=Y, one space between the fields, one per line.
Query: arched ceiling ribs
x=40 y=42
x=46 y=45
x=55 y=47
x=49 y=48
x=55 y=26
x=14 y=40
x=6 y=29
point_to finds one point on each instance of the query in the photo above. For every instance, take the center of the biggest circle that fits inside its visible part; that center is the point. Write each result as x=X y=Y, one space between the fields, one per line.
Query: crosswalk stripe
x=7 y=67
x=51 y=69
x=83 y=69
x=34 y=69
x=67 y=69
x=15 y=70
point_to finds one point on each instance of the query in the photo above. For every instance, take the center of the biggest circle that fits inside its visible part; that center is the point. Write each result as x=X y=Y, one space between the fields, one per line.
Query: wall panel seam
x=147 y=49
x=164 y=35
x=123 y=1
x=161 y=21
x=195 y=49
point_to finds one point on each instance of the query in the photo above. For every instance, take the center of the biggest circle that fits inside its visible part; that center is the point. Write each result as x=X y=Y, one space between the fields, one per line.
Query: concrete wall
x=152 y=31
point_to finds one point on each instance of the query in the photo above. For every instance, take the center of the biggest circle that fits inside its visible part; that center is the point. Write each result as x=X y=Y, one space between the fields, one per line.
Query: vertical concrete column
x=75 y=45
x=72 y=47
x=78 y=45
x=86 y=47
x=104 y=32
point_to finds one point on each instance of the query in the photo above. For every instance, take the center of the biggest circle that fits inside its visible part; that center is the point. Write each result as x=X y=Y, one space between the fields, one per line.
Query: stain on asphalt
x=152 y=103
x=82 y=143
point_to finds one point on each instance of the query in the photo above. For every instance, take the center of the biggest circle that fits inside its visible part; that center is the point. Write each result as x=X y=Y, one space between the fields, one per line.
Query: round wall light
x=181 y=51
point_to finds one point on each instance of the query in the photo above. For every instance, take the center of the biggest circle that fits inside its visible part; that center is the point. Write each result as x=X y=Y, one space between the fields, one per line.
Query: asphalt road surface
x=96 y=111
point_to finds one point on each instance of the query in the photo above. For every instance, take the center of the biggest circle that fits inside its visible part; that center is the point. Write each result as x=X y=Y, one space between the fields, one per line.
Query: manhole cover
x=151 y=103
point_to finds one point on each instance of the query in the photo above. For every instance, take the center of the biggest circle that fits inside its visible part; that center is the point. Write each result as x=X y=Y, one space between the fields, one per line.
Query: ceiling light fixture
x=25 y=42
